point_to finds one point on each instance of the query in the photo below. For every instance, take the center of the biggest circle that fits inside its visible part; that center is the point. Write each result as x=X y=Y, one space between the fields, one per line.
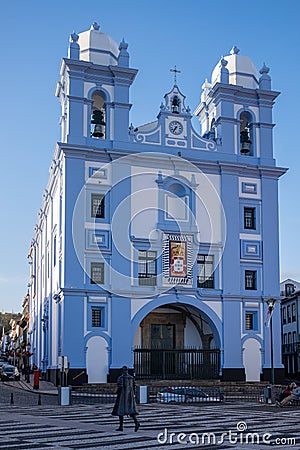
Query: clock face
x=176 y=127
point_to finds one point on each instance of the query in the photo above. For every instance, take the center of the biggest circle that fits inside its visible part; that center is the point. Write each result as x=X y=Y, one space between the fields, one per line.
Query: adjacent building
x=290 y=322
x=157 y=244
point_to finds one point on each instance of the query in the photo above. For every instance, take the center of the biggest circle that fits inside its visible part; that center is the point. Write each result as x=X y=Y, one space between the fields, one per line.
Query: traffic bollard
x=64 y=395
x=40 y=399
x=11 y=398
x=143 y=394
x=268 y=394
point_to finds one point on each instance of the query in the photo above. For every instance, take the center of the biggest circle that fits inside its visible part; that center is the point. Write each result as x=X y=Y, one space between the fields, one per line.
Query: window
x=147 y=268
x=97 y=206
x=205 y=271
x=249 y=219
x=97 y=273
x=293 y=312
x=289 y=313
x=250 y=279
x=289 y=289
x=285 y=339
x=96 y=317
x=251 y=321
x=284 y=315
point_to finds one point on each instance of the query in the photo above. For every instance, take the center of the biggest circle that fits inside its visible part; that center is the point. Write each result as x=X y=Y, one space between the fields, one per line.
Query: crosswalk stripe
x=92 y=427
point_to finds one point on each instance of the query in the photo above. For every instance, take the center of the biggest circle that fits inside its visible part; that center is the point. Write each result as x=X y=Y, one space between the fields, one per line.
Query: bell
x=175 y=109
x=97 y=120
x=175 y=106
x=98 y=131
x=245 y=142
x=245 y=148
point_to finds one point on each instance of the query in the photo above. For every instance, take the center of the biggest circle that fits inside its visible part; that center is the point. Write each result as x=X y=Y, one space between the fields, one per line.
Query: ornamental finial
x=95 y=26
x=234 y=50
x=223 y=62
x=123 y=45
x=74 y=37
x=264 y=69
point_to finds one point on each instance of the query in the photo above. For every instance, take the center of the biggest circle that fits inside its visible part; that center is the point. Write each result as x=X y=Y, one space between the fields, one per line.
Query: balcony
x=291 y=348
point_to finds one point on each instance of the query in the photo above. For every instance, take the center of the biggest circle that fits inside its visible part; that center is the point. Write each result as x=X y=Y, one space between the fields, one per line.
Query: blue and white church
x=156 y=244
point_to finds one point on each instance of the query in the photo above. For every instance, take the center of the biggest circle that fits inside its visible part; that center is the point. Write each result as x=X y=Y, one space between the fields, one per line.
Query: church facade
x=157 y=245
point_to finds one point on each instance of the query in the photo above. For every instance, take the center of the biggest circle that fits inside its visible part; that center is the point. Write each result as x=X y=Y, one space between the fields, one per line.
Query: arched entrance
x=176 y=341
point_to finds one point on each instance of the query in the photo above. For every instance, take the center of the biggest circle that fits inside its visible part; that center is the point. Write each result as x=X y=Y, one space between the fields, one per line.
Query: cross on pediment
x=176 y=71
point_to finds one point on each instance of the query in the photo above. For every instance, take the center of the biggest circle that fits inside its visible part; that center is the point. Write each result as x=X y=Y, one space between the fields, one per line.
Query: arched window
x=246 y=141
x=177 y=201
x=177 y=189
x=98 y=119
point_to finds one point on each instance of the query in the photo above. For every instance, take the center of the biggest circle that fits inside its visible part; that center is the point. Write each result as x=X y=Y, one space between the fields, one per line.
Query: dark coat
x=125 y=403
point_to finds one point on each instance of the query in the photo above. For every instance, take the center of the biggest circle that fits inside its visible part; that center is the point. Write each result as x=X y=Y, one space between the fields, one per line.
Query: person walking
x=294 y=395
x=125 y=404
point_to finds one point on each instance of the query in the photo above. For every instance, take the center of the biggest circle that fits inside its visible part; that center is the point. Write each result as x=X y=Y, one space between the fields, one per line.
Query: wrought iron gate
x=172 y=364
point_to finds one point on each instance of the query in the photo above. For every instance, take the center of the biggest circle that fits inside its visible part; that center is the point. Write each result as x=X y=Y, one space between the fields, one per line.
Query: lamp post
x=271 y=303
x=27 y=369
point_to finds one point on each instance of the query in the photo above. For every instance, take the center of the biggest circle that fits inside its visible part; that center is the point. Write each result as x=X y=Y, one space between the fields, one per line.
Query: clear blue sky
x=193 y=34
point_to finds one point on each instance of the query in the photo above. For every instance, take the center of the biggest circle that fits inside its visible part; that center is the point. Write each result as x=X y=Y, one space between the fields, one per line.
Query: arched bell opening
x=246 y=132
x=176 y=341
x=175 y=105
x=98 y=115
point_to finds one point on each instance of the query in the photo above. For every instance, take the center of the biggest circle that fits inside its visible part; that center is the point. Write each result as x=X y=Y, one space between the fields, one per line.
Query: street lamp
x=27 y=369
x=271 y=304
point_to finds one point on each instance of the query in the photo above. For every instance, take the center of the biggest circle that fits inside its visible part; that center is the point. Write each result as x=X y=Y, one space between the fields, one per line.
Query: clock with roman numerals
x=175 y=127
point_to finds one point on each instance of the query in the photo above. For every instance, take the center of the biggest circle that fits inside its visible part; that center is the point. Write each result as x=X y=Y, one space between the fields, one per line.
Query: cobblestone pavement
x=35 y=421
x=20 y=393
x=209 y=427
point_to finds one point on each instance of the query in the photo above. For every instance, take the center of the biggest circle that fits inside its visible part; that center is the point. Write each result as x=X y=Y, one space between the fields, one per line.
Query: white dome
x=98 y=47
x=241 y=69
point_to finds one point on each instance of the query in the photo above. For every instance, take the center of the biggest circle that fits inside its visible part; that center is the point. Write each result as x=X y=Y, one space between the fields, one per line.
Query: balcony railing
x=293 y=347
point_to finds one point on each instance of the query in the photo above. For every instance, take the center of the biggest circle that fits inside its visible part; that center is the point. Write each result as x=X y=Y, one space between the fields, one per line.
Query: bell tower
x=94 y=89
x=236 y=109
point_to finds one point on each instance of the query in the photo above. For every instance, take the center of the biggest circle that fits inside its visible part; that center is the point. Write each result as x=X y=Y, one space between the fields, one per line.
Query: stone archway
x=176 y=341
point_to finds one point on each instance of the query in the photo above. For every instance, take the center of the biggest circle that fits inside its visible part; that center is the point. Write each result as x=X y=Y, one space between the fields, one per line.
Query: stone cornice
x=110 y=150
x=233 y=89
x=242 y=169
x=124 y=74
